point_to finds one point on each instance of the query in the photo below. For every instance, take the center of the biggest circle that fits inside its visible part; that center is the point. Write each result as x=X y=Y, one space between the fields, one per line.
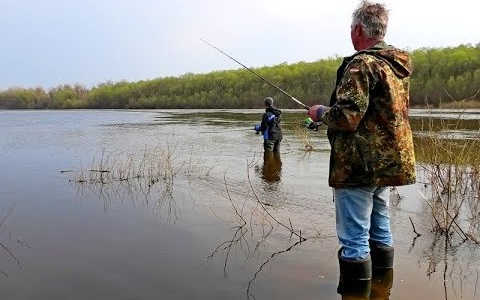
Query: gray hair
x=373 y=17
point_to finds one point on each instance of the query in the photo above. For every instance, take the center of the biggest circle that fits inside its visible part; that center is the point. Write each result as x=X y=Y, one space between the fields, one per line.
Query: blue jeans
x=362 y=215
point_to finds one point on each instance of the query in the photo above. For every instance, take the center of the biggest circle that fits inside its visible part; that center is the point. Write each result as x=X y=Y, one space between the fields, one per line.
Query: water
x=80 y=241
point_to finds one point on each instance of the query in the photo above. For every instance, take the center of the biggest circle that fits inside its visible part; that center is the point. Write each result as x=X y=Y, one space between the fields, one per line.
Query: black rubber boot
x=355 y=278
x=382 y=256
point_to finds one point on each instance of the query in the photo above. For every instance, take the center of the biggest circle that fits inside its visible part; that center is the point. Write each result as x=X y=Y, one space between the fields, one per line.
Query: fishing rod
x=258 y=75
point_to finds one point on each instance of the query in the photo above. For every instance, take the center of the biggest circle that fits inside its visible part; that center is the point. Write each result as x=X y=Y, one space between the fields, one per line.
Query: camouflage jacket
x=368 y=127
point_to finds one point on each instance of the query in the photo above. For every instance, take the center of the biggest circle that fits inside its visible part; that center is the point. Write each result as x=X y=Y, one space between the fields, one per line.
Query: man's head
x=268 y=101
x=369 y=25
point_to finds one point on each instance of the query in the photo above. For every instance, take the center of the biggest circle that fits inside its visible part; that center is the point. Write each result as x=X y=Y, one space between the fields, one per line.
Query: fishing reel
x=310 y=124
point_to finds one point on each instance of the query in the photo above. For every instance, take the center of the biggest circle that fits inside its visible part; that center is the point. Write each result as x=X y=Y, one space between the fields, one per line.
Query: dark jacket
x=368 y=126
x=270 y=126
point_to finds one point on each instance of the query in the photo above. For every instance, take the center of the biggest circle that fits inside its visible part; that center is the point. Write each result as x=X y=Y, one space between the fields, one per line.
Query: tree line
x=441 y=75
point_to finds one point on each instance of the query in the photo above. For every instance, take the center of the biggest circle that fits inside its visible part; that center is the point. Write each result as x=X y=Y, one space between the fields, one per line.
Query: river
x=69 y=239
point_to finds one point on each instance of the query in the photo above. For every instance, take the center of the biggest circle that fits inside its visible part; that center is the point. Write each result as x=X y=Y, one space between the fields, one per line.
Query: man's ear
x=358 y=30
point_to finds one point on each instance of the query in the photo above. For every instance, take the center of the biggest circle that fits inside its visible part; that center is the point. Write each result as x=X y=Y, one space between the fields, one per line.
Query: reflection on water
x=272 y=167
x=269 y=174
x=379 y=288
x=382 y=282
x=442 y=259
x=355 y=290
x=159 y=198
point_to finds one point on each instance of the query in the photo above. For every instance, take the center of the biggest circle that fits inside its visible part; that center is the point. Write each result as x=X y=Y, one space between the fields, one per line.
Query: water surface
x=78 y=241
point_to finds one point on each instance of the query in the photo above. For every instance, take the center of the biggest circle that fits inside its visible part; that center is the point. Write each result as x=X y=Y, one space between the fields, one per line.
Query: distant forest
x=441 y=75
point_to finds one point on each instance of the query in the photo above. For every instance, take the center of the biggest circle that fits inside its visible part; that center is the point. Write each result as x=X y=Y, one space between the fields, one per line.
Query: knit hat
x=268 y=101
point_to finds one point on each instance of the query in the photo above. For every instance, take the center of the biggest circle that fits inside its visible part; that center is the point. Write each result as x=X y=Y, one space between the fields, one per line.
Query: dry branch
x=413 y=225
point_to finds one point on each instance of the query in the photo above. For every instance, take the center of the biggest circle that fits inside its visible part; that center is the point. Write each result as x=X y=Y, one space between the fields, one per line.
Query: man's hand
x=317 y=112
x=257 y=129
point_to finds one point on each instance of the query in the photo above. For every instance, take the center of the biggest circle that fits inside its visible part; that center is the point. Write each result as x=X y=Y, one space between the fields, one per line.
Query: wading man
x=270 y=127
x=371 y=144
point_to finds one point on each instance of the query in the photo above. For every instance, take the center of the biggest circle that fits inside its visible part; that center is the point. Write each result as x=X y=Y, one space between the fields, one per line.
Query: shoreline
x=464 y=104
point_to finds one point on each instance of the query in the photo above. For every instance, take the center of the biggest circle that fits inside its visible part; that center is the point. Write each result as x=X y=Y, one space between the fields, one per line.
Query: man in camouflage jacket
x=371 y=143
x=368 y=125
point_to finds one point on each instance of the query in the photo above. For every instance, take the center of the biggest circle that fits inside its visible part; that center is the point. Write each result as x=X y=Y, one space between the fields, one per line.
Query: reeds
x=147 y=176
x=152 y=166
x=450 y=167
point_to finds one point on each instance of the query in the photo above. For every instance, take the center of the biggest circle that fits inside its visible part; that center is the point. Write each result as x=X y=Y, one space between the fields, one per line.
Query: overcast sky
x=51 y=42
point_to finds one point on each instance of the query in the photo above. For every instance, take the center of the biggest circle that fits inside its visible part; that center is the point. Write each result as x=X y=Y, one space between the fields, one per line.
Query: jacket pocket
x=349 y=162
x=363 y=151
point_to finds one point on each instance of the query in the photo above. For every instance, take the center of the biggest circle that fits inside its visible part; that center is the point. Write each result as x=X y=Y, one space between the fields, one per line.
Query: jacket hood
x=398 y=60
x=273 y=110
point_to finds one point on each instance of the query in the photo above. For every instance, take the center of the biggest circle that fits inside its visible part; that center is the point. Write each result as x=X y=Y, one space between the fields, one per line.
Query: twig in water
x=2 y=245
x=289 y=227
x=228 y=245
x=267 y=261
x=293 y=232
x=264 y=238
x=9 y=212
x=413 y=225
x=413 y=244
x=238 y=236
x=10 y=253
